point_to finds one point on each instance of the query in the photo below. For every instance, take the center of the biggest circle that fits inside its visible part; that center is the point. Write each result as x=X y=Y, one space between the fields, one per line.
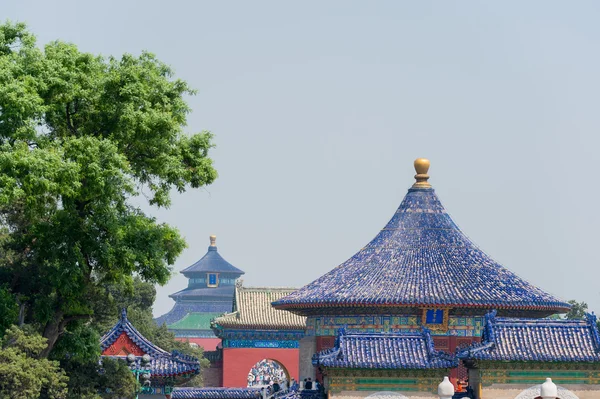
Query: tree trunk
x=52 y=331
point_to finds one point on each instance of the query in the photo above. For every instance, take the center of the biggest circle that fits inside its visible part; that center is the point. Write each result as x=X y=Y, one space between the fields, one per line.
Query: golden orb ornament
x=421 y=167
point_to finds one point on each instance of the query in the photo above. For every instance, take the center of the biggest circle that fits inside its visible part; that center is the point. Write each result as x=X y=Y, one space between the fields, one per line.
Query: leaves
x=80 y=135
x=22 y=374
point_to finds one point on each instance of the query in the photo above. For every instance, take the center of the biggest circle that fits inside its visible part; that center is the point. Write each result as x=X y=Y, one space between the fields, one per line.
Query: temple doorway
x=534 y=393
x=268 y=372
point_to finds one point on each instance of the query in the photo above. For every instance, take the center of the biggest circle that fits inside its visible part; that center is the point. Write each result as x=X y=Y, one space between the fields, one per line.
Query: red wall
x=209 y=344
x=237 y=363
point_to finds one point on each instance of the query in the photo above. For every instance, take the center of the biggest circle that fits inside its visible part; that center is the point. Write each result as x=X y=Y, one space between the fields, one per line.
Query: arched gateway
x=266 y=372
x=255 y=333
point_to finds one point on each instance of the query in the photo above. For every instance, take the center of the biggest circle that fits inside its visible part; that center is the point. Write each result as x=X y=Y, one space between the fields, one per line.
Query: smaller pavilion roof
x=385 y=351
x=224 y=291
x=183 y=308
x=194 y=321
x=252 y=309
x=163 y=363
x=536 y=340
x=216 y=393
x=212 y=262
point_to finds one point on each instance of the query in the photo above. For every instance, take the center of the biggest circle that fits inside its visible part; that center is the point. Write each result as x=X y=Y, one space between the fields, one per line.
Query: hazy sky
x=320 y=107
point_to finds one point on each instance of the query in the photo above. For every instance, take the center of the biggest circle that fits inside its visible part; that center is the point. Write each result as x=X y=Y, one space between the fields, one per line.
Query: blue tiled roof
x=216 y=393
x=542 y=340
x=212 y=262
x=384 y=351
x=182 y=308
x=163 y=363
x=224 y=291
x=421 y=258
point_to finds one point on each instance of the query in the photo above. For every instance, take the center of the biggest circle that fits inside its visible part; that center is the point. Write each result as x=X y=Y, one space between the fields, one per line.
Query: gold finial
x=213 y=241
x=421 y=167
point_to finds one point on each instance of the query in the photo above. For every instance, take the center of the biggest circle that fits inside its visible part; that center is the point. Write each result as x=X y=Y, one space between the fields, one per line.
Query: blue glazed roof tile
x=163 y=363
x=225 y=291
x=421 y=258
x=384 y=351
x=216 y=393
x=542 y=340
x=212 y=262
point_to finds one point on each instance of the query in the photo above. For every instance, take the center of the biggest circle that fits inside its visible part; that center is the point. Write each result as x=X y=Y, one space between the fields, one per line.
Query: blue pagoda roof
x=224 y=291
x=183 y=308
x=216 y=393
x=385 y=351
x=212 y=262
x=163 y=363
x=420 y=259
x=536 y=340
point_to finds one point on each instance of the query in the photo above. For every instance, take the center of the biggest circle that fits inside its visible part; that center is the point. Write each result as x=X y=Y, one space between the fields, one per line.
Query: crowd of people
x=266 y=373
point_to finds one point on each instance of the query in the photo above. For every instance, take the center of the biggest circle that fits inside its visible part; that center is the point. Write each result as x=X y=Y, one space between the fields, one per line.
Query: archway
x=267 y=372
x=534 y=393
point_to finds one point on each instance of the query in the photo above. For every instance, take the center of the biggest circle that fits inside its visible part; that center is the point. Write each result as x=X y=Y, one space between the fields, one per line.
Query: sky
x=320 y=107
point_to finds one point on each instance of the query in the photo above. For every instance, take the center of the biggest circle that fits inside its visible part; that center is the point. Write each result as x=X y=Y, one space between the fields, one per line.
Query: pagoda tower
x=209 y=294
x=423 y=284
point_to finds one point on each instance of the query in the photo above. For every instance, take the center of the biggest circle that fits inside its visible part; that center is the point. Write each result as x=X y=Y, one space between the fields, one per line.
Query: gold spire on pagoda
x=213 y=241
x=421 y=167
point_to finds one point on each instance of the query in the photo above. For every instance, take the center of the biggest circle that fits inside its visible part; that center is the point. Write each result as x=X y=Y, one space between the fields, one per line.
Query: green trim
x=532 y=373
x=384 y=380
x=194 y=321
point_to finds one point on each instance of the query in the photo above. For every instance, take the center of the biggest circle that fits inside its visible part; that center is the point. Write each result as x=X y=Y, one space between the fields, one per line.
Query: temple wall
x=364 y=394
x=410 y=383
x=213 y=376
x=511 y=391
x=208 y=344
x=237 y=363
x=308 y=347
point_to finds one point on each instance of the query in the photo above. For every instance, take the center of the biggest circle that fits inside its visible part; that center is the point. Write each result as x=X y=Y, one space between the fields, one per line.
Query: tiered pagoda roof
x=212 y=262
x=537 y=340
x=210 y=292
x=252 y=309
x=384 y=351
x=420 y=259
x=124 y=339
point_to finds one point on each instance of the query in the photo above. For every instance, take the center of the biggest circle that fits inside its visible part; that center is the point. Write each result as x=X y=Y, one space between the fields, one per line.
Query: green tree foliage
x=80 y=135
x=91 y=380
x=23 y=375
x=577 y=311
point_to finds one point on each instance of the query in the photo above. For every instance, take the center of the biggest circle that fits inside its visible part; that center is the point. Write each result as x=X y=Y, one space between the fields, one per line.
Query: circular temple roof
x=421 y=259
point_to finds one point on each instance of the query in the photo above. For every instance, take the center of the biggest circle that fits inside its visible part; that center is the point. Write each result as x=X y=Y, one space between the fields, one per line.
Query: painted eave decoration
x=421 y=259
x=536 y=340
x=385 y=351
x=123 y=339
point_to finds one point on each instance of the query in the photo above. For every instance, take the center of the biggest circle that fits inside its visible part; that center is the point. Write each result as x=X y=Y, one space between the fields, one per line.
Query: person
x=276 y=386
x=308 y=384
x=294 y=385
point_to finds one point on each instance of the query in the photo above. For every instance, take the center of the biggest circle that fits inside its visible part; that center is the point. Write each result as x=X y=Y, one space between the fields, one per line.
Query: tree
x=22 y=374
x=80 y=135
x=577 y=311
